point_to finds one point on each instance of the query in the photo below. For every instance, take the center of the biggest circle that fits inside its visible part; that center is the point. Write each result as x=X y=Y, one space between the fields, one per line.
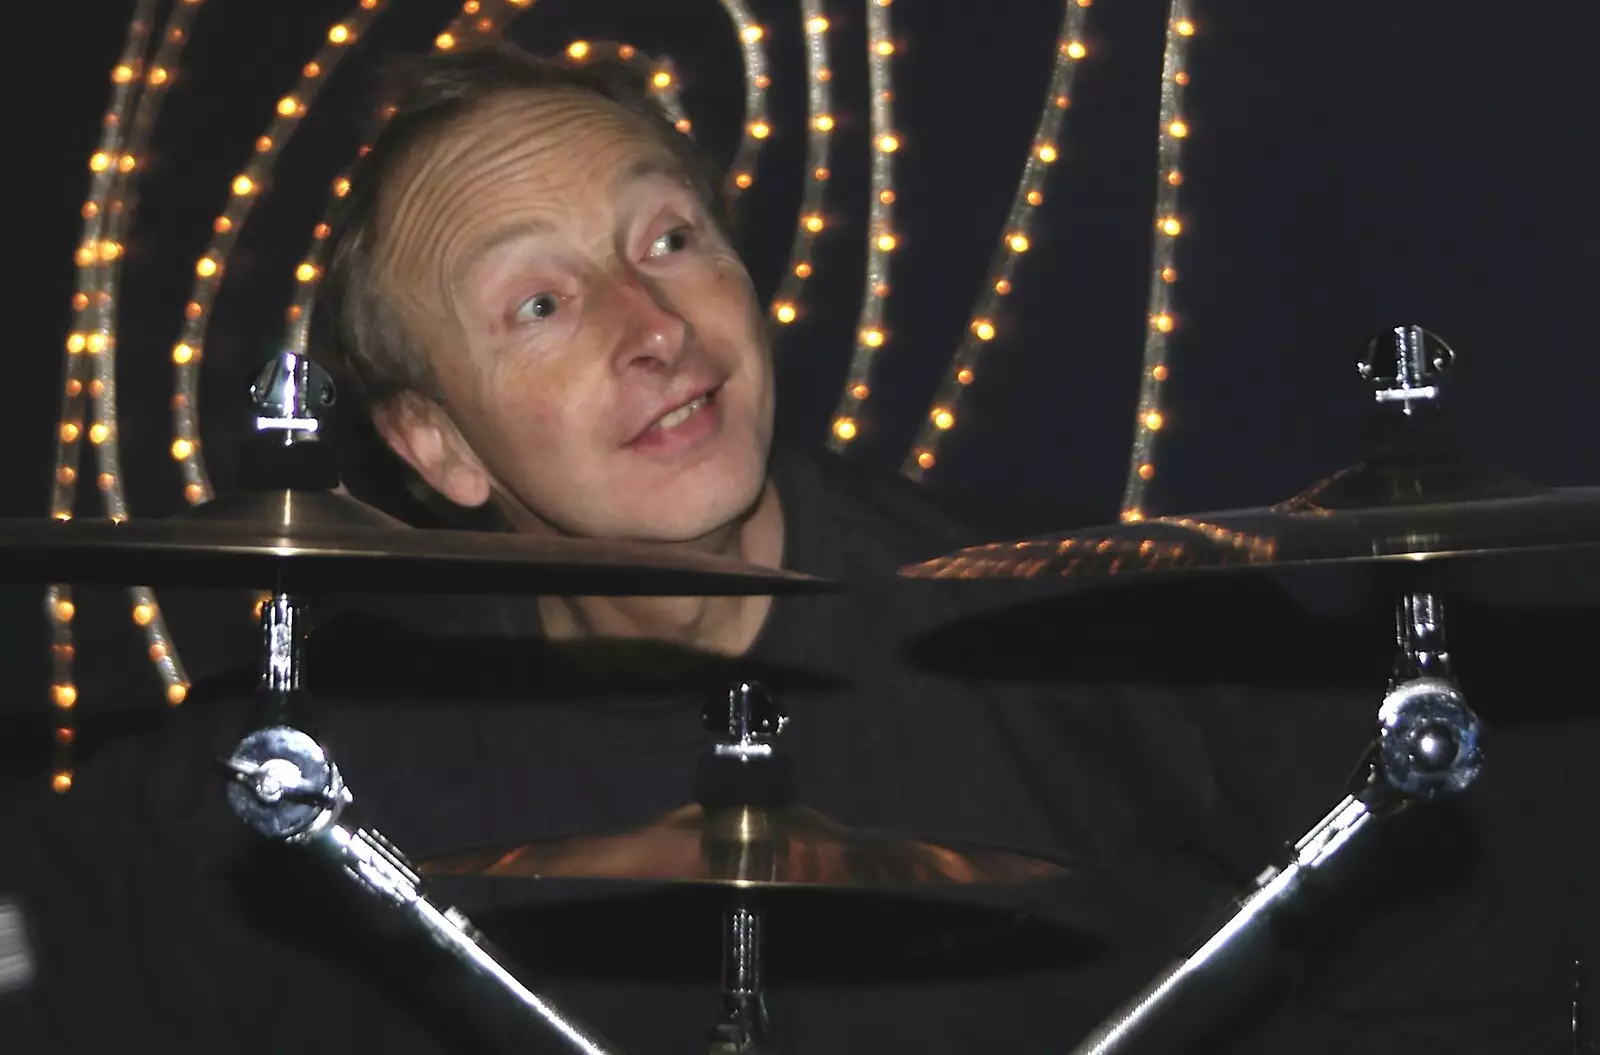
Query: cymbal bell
x=292 y=511
x=1361 y=515
x=328 y=542
x=753 y=847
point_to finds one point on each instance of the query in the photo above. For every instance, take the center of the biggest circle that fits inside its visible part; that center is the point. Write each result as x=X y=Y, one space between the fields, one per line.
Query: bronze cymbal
x=753 y=847
x=328 y=542
x=1361 y=515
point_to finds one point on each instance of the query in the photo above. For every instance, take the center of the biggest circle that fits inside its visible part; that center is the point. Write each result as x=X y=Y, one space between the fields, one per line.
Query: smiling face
x=596 y=340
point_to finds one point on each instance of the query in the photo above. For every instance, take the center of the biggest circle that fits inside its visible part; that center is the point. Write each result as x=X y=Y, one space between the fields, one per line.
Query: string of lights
x=474 y=21
x=984 y=324
x=757 y=128
x=91 y=344
x=663 y=78
x=126 y=80
x=1174 y=129
x=211 y=269
x=59 y=606
x=881 y=238
x=145 y=610
x=819 y=137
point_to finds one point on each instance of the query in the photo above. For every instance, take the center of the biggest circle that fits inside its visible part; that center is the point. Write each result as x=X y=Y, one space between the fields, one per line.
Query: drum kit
x=1412 y=503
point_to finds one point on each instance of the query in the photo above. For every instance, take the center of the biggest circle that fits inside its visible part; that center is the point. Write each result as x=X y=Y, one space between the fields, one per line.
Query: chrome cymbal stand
x=284 y=785
x=1425 y=747
x=743 y=768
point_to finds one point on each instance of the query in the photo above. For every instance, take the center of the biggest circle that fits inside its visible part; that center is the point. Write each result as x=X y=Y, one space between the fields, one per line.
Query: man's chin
x=702 y=506
x=709 y=519
x=712 y=531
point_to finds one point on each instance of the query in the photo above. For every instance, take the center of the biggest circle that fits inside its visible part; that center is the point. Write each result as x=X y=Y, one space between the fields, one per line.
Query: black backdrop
x=1351 y=166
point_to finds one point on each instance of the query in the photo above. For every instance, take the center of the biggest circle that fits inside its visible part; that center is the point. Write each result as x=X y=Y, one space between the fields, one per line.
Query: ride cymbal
x=753 y=847
x=323 y=541
x=1362 y=515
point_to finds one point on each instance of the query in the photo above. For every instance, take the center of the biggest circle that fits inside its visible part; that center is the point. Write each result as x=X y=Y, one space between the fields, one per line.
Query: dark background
x=1351 y=166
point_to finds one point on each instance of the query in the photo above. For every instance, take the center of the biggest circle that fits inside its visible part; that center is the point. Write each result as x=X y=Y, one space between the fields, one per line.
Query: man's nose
x=650 y=333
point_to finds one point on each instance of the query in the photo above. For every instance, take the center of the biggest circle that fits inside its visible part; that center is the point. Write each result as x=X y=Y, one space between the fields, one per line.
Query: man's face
x=596 y=340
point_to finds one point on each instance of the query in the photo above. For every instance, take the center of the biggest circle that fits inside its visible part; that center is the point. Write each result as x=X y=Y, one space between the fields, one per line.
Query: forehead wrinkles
x=511 y=152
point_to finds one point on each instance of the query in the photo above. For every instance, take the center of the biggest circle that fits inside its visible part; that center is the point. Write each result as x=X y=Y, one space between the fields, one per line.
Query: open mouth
x=677 y=417
x=686 y=421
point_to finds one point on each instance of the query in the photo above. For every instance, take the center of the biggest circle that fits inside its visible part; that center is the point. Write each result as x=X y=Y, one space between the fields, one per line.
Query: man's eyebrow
x=499 y=236
x=648 y=168
x=640 y=171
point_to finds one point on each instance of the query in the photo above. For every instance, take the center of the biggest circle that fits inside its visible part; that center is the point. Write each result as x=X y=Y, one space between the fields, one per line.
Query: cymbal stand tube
x=744 y=1028
x=283 y=634
x=1419 y=632
x=743 y=767
x=285 y=786
x=1426 y=748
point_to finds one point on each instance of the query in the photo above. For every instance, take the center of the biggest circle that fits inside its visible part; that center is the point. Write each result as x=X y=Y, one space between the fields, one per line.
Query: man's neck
x=720 y=625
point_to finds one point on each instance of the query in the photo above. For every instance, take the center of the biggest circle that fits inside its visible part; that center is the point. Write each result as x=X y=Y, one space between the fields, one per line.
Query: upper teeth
x=682 y=414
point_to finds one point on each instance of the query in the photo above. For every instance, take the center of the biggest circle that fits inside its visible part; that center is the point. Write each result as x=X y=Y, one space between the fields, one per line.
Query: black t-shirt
x=155 y=920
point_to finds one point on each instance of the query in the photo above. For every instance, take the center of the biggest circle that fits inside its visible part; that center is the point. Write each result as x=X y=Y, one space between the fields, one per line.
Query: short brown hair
x=371 y=353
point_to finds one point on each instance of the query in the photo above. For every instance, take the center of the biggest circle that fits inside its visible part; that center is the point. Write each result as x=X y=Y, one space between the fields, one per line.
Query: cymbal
x=328 y=542
x=1361 y=515
x=753 y=847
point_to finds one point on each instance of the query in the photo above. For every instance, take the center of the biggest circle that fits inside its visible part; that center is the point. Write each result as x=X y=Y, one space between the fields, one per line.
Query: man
x=580 y=273
x=538 y=300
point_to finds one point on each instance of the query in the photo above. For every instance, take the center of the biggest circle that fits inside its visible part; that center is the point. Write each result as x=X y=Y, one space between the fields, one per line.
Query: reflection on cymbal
x=1360 y=515
x=752 y=847
x=327 y=542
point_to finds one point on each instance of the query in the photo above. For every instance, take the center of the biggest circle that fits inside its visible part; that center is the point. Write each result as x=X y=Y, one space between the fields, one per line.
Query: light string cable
x=984 y=324
x=106 y=213
x=757 y=128
x=1174 y=129
x=881 y=239
x=819 y=137
x=146 y=612
x=126 y=80
x=211 y=269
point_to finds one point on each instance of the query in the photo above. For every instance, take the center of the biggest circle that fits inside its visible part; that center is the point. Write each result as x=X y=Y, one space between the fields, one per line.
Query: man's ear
x=422 y=434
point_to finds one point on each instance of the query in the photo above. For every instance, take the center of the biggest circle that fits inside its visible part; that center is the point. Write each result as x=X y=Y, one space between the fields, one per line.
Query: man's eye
x=674 y=241
x=539 y=306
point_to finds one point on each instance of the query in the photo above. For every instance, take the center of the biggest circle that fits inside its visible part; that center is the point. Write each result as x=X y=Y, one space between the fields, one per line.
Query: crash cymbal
x=327 y=542
x=1362 y=515
x=753 y=847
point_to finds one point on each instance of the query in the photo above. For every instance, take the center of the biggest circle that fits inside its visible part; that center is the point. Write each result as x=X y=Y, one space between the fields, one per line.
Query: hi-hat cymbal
x=327 y=542
x=1365 y=514
x=753 y=847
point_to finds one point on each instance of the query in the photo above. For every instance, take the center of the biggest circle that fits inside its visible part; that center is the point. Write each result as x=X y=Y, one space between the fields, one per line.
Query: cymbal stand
x=1426 y=743
x=743 y=769
x=1425 y=748
x=284 y=784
